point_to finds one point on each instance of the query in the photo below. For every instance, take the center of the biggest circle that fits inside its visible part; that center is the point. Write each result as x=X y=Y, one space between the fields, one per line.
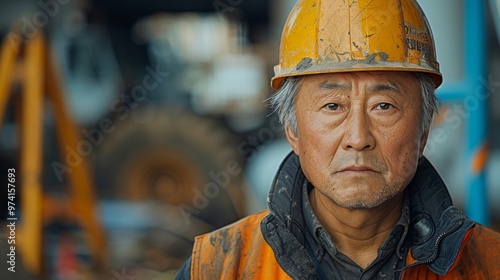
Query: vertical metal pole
x=30 y=234
x=82 y=188
x=8 y=55
x=476 y=106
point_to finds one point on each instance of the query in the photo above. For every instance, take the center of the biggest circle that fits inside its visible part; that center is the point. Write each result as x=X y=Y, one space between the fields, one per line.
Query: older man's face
x=358 y=135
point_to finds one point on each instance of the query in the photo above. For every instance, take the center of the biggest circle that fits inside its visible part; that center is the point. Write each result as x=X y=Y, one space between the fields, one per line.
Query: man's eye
x=332 y=106
x=384 y=106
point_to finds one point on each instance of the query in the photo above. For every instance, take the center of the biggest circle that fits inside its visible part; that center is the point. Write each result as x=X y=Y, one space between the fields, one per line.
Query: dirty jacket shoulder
x=237 y=251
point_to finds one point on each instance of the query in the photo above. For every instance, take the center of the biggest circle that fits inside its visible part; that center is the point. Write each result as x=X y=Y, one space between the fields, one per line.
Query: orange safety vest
x=239 y=251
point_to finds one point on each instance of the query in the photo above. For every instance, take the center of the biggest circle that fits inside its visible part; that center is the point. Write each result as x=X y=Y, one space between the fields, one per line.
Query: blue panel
x=473 y=93
x=475 y=102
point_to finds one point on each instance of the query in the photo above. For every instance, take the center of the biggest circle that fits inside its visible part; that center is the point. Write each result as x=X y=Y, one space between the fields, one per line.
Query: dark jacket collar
x=437 y=227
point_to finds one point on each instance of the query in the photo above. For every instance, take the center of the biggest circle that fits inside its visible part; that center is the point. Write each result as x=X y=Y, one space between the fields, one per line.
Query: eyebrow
x=334 y=85
x=385 y=87
x=391 y=86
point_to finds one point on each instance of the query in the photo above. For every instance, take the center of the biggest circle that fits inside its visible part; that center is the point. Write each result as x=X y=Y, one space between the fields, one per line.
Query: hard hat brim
x=352 y=66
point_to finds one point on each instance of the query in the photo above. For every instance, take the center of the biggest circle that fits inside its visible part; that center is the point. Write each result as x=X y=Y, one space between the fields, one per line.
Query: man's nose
x=357 y=131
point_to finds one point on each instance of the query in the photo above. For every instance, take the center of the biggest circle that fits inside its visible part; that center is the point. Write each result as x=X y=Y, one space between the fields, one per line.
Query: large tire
x=169 y=159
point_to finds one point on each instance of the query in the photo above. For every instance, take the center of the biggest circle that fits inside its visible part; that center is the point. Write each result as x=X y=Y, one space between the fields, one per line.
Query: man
x=356 y=199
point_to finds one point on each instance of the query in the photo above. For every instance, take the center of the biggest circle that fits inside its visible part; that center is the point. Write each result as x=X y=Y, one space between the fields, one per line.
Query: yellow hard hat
x=332 y=36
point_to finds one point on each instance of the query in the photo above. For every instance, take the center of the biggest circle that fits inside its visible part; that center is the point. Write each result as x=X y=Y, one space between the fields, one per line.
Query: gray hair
x=283 y=101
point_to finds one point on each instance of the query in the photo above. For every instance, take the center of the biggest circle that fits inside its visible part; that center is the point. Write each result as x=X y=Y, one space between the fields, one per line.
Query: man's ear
x=423 y=142
x=292 y=138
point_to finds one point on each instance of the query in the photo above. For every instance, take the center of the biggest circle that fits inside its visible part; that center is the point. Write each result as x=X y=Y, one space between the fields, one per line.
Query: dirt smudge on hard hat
x=383 y=56
x=371 y=57
x=305 y=64
x=356 y=46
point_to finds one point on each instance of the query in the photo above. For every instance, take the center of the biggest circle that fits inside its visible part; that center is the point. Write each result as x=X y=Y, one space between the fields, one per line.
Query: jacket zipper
x=436 y=246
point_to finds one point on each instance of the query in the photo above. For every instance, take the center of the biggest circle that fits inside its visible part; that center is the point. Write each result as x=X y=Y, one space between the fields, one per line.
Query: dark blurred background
x=168 y=99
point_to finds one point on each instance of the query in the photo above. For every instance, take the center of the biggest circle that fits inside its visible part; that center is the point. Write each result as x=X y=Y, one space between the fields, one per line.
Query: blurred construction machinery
x=148 y=163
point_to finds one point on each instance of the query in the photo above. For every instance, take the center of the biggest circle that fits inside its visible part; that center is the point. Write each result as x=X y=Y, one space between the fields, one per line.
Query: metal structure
x=30 y=64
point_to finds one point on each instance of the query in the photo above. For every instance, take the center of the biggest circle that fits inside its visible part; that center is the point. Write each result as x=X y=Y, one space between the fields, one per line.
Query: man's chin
x=359 y=205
